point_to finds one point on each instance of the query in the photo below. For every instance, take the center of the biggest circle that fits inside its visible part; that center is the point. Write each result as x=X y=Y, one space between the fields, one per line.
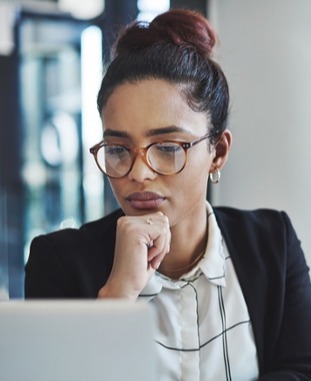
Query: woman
x=231 y=288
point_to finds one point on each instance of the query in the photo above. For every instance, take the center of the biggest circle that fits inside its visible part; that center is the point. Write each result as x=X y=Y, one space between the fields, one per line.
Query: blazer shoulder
x=263 y=219
x=263 y=239
x=71 y=262
x=259 y=230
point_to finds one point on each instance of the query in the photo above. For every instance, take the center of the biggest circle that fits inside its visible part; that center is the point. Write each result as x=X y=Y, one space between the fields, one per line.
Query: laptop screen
x=76 y=341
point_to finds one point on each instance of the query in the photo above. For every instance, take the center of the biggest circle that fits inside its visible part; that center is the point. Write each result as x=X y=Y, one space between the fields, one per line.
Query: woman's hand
x=141 y=244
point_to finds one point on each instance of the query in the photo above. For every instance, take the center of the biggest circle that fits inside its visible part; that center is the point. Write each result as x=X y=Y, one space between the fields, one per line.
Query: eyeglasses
x=165 y=158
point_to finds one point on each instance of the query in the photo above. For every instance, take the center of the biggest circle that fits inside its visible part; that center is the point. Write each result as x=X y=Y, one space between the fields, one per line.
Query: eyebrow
x=152 y=132
x=117 y=134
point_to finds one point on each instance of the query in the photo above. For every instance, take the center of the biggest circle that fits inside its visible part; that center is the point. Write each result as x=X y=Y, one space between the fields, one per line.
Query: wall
x=265 y=51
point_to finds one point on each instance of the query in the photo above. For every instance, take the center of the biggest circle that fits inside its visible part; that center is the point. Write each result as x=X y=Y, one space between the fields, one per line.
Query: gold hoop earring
x=215 y=176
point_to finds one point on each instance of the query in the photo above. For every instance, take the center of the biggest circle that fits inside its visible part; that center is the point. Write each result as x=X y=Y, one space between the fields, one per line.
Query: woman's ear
x=222 y=149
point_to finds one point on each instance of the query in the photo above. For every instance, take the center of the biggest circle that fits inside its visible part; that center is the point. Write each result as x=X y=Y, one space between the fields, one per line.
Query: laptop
x=77 y=341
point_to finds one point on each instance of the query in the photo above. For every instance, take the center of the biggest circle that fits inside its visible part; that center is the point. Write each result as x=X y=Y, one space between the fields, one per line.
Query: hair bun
x=187 y=27
x=179 y=26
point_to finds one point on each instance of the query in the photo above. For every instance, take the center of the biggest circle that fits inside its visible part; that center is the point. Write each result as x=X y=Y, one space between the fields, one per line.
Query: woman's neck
x=188 y=244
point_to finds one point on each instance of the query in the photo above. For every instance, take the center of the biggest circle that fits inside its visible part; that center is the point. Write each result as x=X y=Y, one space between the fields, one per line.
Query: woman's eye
x=168 y=148
x=115 y=150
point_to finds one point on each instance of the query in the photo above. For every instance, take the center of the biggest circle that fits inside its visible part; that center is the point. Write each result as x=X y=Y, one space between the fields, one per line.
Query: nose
x=140 y=170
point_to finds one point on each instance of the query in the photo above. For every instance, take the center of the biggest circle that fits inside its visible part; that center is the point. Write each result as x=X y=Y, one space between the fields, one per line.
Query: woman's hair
x=177 y=47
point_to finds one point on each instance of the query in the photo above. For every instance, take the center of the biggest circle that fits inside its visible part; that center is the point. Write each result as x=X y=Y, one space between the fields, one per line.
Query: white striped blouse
x=203 y=326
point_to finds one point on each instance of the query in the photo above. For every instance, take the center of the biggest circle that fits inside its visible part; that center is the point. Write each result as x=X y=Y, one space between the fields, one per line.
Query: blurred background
x=52 y=56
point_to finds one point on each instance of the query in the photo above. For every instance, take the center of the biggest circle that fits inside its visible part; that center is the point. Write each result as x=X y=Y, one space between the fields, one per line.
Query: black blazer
x=267 y=257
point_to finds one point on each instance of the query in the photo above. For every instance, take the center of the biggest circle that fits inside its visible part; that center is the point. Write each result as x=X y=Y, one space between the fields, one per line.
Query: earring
x=215 y=176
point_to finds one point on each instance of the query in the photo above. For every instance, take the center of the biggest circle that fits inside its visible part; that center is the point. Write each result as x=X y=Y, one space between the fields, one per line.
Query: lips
x=145 y=200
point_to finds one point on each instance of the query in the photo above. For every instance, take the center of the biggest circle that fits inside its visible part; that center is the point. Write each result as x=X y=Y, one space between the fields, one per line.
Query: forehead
x=151 y=104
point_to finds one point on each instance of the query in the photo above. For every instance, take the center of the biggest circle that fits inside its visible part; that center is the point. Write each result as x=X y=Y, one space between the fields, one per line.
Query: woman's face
x=138 y=114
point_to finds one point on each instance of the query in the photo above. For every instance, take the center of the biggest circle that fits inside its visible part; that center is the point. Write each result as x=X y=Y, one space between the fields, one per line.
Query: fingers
x=149 y=234
x=141 y=244
x=160 y=236
x=156 y=254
